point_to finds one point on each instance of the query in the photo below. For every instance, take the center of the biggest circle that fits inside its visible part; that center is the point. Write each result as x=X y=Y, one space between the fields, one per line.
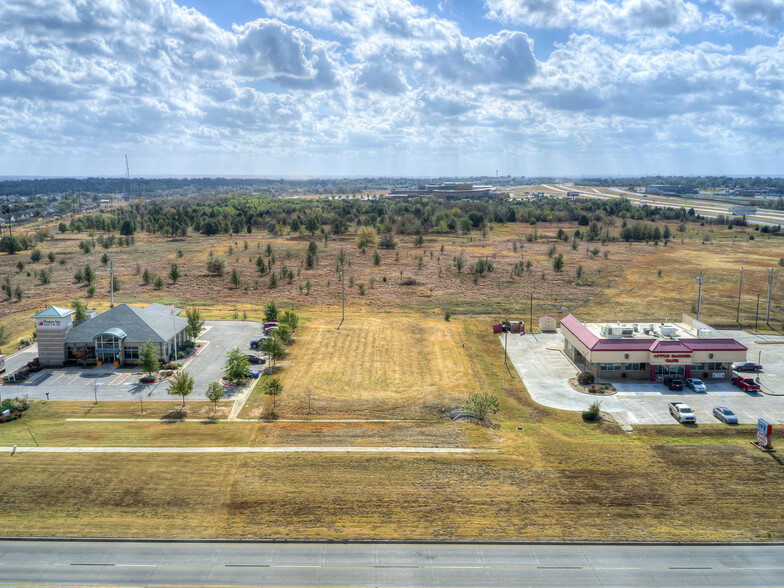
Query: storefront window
x=635 y=367
x=131 y=352
x=610 y=367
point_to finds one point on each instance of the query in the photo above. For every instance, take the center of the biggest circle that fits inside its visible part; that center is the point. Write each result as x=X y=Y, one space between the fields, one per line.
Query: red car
x=744 y=383
x=269 y=325
x=255 y=358
x=746 y=366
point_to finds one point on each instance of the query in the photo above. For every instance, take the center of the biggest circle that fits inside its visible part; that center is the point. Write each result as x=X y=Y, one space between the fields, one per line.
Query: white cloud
x=770 y=12
x=626 y=17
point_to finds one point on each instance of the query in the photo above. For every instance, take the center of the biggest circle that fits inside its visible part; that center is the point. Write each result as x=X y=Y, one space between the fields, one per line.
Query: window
x=718 y=367
x=610 y=367
x=635 y=367
x=697 y=367
x=131 y=352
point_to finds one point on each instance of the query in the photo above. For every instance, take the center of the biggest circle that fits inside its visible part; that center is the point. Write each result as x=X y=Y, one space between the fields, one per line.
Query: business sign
x=743 y=210
x=764 y=432
x=48 y=324
x=718 y=375
x=673 y=357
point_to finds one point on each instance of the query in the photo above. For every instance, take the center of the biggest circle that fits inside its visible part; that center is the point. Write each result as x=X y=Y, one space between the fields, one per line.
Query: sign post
x=764 y=433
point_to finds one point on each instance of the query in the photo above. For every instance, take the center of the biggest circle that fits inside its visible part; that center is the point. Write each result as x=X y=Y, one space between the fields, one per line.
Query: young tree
x=275 y=348
x=180 y=385
x=10 y=244
x=50 y=256
x=5 y=335
x=283 y=332
x=366 y=236
x=308 y=286
x=148 y=359
x=214 y=393
x=146 y=277
x=105 y=258
x=313 y=224
x=174 y=273
x=216 y=265
x=80 y=311
x=482 y=406
x=291 y=319
x=195 y=323
x=235 y=279
x=236 y=366
x=89 y=274
x=158 y=283
x=261 y=265
x=273 y=388
x=35 y=256
x=271 y=312
x=460 y=262
x=376 y=258
x=18 y=293
x=558 y=262
x=62 y=227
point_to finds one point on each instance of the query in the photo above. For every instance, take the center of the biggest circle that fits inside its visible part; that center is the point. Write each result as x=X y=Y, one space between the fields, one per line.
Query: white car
x=696 y=385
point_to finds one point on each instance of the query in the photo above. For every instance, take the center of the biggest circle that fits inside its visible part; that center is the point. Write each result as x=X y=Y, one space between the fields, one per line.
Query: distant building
x=115 y=335
x=445 y=191
x=665 y=190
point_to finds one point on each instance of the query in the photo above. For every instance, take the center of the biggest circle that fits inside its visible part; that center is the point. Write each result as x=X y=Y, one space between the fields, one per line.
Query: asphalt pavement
x=126 y=563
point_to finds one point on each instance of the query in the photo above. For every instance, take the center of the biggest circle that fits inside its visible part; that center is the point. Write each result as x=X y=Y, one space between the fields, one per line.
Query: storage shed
x=547 y=323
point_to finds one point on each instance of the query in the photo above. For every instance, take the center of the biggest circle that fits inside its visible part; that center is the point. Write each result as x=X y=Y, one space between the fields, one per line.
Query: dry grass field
x=541 y=473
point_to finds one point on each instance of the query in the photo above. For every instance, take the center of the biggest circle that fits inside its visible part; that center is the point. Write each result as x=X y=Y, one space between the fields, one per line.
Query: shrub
x=585 y=378
x=593 y=411
x=447 y=316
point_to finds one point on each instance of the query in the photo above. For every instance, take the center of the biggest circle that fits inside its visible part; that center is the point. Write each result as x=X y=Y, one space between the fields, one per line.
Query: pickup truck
x=745 y=383
x=682 y=412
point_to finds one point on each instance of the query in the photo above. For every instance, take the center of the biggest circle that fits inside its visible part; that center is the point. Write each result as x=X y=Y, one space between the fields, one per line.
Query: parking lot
x=545 y=371
x=122 y=383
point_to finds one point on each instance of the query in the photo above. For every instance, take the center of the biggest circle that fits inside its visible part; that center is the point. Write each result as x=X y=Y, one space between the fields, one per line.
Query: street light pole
x=740 y=289
x=506 y=338
x=110 y=271
x=699 y=299
x=756 y=316
x=767 y=308
x=343 y=294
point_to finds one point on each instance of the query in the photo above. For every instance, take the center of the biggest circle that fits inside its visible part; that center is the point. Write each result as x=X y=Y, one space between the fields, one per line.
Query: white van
x=2 y=363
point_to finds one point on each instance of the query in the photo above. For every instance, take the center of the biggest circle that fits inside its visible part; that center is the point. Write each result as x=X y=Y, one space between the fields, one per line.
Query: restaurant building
x=650 y=350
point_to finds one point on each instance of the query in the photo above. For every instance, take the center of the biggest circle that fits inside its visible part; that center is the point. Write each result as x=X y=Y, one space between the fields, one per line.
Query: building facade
x=115 y=336
x=652 y=350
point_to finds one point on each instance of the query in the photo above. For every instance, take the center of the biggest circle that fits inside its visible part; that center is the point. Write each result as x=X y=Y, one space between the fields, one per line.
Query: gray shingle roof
x=53 y=312
x=154 y=322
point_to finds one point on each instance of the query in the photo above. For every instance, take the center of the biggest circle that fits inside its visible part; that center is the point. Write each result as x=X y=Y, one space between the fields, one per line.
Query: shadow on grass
x=174 y=416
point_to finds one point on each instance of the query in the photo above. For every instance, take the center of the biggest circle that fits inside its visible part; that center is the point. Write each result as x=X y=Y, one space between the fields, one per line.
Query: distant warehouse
x=649 y=350
x=116 y=335
x=446 y=191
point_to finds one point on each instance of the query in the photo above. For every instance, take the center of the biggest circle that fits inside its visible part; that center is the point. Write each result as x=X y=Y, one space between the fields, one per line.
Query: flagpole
x=174 y=335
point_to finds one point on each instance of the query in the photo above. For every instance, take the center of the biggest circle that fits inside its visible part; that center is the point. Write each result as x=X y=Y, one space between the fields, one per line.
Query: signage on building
x=673 y=357
x=743 y=210
x=717 y=375
x=764 y=432
x=48 y=324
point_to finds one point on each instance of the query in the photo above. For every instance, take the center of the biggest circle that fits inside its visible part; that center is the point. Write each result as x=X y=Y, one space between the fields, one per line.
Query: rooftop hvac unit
x=627 y=332
x=604 y=330
x=704 y=333
x=668 y=330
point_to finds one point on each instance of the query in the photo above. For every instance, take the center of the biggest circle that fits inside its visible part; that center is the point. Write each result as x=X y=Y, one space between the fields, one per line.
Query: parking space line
x=57 y=378
x=655 y=420
x=76 y=377
x=119 y=379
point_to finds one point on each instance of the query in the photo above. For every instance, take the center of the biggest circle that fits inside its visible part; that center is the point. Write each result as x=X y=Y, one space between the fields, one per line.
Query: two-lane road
x=44 y=563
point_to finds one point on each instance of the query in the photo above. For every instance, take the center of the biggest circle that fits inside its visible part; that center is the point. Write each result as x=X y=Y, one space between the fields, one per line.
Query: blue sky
x=391 y=87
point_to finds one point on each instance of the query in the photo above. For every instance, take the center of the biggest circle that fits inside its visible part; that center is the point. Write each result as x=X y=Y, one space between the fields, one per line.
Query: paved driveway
x=110 y=383
x=545 y=371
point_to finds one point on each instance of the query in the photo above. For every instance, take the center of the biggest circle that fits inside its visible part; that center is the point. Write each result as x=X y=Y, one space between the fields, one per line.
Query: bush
x=593 y=411
x=585 y=378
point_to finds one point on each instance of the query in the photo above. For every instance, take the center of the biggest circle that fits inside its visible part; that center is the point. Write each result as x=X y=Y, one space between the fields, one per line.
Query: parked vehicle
x=2 y=363
x=673 y=383
x=725 y=415
x=252 y=374
x=269 y=324
x=255 y=343
x=746 y=366
x=682 y=412
x=745 y=383
x=255 y=358
x=696 y=385
x=268 y=331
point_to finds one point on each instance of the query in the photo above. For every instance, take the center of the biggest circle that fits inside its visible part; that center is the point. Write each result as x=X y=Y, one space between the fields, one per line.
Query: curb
x=7 y=357
x=400 y=542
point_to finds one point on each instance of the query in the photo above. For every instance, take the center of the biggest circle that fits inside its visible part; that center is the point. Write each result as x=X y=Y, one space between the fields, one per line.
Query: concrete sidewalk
x=239 y=450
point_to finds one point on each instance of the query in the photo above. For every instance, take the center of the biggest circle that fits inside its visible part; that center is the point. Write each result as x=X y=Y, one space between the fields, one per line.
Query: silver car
x=725 y=415
x=696 y=385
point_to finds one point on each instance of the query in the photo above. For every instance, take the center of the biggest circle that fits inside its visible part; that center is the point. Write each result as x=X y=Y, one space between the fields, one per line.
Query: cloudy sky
x=391 y=87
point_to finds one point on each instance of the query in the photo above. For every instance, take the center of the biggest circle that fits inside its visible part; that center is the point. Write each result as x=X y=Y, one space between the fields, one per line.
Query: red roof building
x=652 y=351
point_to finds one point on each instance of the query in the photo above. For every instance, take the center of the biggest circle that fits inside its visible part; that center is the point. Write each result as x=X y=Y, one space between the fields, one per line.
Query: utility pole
x=506 y=337
x=110 y=271
x=756 y=316
x=531 y=325
x=343 y=289
x=767 y=308
x=699 y=299
x=740 y=289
